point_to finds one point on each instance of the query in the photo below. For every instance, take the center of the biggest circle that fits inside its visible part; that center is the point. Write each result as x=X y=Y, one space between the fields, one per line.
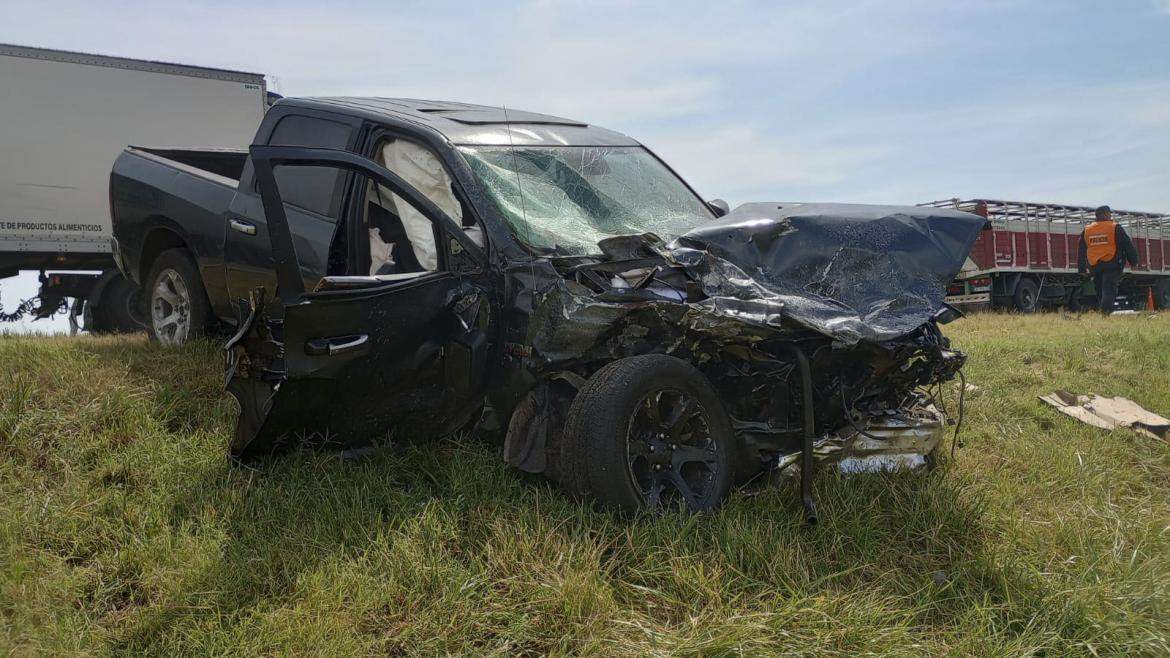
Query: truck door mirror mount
x=719 y=207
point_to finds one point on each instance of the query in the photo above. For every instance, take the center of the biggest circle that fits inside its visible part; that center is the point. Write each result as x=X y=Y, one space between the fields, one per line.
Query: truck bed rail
x=1044 y=237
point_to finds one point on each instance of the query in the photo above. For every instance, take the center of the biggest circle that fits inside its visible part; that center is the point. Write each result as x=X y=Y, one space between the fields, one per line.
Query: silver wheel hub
x=170 y=308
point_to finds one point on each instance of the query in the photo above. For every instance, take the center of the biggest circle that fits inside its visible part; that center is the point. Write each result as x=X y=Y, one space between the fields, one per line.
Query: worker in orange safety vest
x=1105 y=248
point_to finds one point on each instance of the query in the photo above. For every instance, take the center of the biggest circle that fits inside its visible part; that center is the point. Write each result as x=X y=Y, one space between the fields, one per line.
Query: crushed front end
x=817 y=324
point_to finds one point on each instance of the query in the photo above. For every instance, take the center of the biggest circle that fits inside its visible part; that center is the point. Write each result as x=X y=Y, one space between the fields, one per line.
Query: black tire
x=1026 y=296
x=119 y=310
x=642 y=430
x=1072 y=300
x=176 y=265
x=1162 y=295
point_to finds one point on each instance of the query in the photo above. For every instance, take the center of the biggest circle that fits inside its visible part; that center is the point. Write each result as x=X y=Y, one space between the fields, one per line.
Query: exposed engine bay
x=746 y=299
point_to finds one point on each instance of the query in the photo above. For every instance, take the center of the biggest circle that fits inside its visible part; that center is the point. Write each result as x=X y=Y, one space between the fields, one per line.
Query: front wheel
x=649 y=433
x=178 y=310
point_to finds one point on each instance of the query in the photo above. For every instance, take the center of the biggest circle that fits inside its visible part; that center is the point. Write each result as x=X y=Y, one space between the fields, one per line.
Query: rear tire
x=1026 y=296
x=1072 y=300
x=176 y=303
x=649 y=433
x=119 y=310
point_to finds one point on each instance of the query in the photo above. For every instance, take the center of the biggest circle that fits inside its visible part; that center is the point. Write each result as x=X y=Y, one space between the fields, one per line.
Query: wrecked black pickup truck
x=558 y=286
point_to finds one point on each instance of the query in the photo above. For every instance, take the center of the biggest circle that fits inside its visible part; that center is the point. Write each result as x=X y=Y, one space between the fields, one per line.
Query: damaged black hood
x=851 y=272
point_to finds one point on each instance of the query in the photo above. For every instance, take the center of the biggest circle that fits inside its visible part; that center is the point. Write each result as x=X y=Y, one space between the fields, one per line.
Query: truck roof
x=90 y=59
x=468 y=124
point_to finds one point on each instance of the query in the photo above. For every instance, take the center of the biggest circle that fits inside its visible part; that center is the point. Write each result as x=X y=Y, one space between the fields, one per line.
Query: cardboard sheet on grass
x=1109 y=413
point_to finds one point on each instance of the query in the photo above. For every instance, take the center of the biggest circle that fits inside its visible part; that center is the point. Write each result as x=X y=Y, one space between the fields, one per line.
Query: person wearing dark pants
x=1104 y=250
x=1105 y=281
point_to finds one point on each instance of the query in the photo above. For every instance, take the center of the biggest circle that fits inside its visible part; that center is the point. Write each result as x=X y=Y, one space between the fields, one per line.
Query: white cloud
x=630 y=66
x=637 y=59
x=1067 y=143
x=742 y=97
x=734 y=160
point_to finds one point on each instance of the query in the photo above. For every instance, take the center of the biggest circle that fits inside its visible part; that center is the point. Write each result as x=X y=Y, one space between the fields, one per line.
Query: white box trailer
x=64 y=118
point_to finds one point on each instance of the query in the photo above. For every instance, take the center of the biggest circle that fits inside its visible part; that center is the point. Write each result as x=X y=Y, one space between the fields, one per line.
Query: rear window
x=311 y=188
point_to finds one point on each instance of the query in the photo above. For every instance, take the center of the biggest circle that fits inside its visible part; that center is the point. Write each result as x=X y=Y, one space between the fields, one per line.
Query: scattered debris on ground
x=969 y=389
x=1110 y=413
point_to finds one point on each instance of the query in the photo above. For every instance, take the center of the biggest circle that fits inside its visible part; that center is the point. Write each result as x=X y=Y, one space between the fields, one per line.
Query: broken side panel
x=254 y=370
x=354 y=365
x=358 y=356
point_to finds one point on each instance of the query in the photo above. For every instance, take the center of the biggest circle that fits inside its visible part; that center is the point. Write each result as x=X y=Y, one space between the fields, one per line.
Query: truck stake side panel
x=1039 y=242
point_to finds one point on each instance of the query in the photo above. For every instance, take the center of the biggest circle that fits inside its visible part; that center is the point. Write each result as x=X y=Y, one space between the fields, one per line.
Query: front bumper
x=899 y=440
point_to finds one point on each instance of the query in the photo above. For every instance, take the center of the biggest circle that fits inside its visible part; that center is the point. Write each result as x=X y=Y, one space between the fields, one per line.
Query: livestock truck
x=64 y=117
x=1025 y=257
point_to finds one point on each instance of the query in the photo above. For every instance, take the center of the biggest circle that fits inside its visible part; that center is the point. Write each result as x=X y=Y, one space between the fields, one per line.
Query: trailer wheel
x=1026 y=296
x=177 y=305
x=1162 y=294
x=118 y=309
x=649 y=433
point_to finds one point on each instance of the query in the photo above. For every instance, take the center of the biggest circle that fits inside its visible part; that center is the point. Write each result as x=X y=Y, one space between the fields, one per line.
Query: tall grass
x=123 y=529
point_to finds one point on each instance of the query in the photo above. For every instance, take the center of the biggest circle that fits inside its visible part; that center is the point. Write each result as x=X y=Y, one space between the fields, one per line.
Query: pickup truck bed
x=173 y=198
x=225 y=163
x=204 y=207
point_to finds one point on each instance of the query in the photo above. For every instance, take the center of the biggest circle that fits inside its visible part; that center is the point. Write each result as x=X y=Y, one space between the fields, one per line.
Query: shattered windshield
x=564 y=199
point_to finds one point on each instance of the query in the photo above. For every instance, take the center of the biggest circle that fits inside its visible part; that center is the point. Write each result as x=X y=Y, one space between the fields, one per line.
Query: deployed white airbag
x=420 y=168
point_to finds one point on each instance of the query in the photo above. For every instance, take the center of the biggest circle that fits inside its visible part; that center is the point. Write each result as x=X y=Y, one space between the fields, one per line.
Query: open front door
x=361 y=356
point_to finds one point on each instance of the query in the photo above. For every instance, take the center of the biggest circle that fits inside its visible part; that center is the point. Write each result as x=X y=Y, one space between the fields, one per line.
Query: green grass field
x=123 y=529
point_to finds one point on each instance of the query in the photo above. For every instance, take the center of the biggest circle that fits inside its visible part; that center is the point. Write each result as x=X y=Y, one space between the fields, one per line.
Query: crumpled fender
x=253 y=373
x=851 y=272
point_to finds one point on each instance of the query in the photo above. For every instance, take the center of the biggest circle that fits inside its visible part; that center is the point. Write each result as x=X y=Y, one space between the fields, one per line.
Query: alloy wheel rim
x=170 y=308
x=670 y=453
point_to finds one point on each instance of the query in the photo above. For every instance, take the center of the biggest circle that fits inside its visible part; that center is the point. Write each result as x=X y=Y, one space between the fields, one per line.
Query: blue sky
x=887 y=102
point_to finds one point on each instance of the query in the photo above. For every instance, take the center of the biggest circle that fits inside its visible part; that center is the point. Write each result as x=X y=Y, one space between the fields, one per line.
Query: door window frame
x=370 y=138
x=250 y=184
x=290 y=285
